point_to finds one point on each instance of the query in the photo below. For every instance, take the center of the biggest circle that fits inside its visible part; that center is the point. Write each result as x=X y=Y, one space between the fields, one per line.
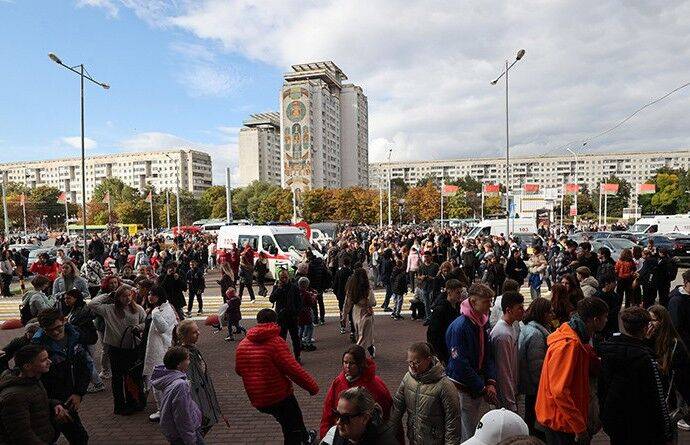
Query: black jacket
x=590 y=261
x=339 y=280
x=385 y=270
x=443 y=315
x=647 y=272
x=614 y=302
x=10 y=349
x=287 y=299
x=81 y=318
x=679 y=309
x=516 y=269
x=174 y=288
x=631 y=394
x=607 y=268
x=319 y=276
x=399 y=281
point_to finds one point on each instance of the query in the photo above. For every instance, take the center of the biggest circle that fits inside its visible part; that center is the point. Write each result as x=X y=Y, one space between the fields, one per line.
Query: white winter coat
x=163 y=321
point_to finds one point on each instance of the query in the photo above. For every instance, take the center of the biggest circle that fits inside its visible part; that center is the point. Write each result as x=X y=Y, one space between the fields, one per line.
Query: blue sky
x=188 y=72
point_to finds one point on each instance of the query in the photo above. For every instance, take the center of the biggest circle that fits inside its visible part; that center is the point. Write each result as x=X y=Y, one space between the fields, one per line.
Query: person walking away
x=428 y=398
x=536 y=266
x=398 y=288
x=446 y=311
x=196 y=283
x=68 y=377
x=288 y=303
x=267 y=369
x=78 y=315
x=516 y=267
x=588 y=284
x=413 y=267
x=26 y=412
x=614 y=301
x=626 y=272
x=471 y=364
x=562 y=404
x=211 y=249
x=359 y=420
x=161 y=320
x=646 y=278
x=339 y=281
x=124 y=320
x=357 y=370
x=320 y=279
x=305 y=319
x=227 y=279
x=6 y=272
x=261 y=268
x=494 y=273
x=199 y=377
x=385 y=273
x=666 y=273
x=180 y=416
x=247 y=271
x=174 y=286
x=425 y=275
x=504 y=344
x=34 y=301
x=361 y=301
x=639 y=416
x=531 y=353
x=674 y=362
x=233 y=314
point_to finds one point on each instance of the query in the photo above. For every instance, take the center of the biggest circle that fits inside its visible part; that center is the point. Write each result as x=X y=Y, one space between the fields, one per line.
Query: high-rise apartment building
x=550 y=172
x=161 y=169
x=259 y=149
x=324 y=122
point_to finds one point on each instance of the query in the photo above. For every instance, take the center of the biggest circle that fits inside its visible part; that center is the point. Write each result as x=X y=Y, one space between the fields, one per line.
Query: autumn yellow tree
x=424 y=203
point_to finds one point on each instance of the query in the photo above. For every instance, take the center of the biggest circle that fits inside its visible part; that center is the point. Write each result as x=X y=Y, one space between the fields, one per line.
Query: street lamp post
x=509 y=65
x=105 y=86
x=401 y=206
x=4 y=208
x=177 y=190
x=390 y=151
x=576 y=190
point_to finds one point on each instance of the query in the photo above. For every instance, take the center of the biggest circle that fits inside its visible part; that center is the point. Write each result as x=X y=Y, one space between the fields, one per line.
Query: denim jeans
x=427 y=299
x=389 y=292
x=95 y=379
x=306 y=332
x=470 y=410
x=397 y=304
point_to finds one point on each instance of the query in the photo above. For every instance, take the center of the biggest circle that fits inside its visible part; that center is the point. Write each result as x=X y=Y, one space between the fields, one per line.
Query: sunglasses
x=344 y=418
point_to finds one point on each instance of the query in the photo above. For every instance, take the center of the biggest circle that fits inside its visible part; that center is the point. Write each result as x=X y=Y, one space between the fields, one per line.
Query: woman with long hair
x=561 y=305
x=124 y=322
x=532 y=350
x=672 y=357
x=359 y=297
x=572 y=286
x=626 y=272
x=69 y=279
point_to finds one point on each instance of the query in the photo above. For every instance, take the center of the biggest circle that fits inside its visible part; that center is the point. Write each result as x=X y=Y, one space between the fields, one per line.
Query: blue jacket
x=462 y=339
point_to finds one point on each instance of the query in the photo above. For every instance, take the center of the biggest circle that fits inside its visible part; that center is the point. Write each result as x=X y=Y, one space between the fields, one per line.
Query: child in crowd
x=305 y=319
x=233 y=314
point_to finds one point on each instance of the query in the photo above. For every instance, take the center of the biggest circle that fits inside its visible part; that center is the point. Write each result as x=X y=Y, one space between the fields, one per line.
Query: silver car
x=615 y=245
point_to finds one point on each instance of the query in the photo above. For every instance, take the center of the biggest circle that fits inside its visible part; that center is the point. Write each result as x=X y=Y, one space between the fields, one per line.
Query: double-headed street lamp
x=79 y=69
x=509 y=65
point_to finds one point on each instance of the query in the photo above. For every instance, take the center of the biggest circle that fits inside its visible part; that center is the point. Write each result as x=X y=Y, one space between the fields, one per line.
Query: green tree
x=212 y=202
x=276 y=206
x=318 y=205
x=670 y=196
x=458 y=206
x=615 y=203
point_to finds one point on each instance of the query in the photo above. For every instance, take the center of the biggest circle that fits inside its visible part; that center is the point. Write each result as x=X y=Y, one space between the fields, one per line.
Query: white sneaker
x=155 y=417
x=683 y=425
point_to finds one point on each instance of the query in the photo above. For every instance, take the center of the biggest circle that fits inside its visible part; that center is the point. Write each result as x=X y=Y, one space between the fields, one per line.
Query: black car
x=677 y=244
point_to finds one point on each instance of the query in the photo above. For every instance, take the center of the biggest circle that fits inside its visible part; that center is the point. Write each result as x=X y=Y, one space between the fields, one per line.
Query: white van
x=284 y=245
x=661 y=224
x=490 y=227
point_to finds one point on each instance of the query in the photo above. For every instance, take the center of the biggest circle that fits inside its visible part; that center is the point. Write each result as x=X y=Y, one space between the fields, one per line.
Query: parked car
x=615 y=245
x=677 y=244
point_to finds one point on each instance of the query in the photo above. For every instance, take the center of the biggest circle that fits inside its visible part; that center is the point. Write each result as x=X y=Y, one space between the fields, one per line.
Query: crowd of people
x=603 y=349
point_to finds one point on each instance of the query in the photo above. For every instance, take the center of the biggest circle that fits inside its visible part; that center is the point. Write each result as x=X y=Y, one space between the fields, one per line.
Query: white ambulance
x=490 y=227
x=661 y=224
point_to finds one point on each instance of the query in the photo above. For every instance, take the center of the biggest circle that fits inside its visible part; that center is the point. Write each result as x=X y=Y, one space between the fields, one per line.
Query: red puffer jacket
x=49 y=271
x=266 y=366
x=368 y=380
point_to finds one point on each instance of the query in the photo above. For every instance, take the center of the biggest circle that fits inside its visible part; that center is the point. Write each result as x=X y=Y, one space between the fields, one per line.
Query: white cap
x=497 y=425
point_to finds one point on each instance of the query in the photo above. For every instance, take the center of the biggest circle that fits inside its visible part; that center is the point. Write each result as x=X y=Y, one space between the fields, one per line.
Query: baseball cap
x=497 y=425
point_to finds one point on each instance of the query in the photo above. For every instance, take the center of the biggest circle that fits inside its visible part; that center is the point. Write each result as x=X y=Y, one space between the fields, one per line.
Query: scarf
x=478 y=319
x=578 y=325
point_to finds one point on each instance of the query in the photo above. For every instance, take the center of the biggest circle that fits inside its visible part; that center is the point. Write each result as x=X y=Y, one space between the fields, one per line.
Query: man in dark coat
x=446 y=310
x=288 y=302
x=632 y=402
x=339 y=281
x=319 y=280
x=174 y=286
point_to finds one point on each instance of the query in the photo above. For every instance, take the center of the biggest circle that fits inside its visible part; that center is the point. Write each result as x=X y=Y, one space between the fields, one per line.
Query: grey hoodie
x=180 y=415
x=589 y=286
x=38 y=301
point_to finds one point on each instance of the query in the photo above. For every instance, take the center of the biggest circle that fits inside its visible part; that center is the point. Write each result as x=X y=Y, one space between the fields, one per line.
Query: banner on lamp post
x=531 y=188
x=449 y=190
x=490 y=189
x=646 y=189
x=608 y=188
x=572 y=188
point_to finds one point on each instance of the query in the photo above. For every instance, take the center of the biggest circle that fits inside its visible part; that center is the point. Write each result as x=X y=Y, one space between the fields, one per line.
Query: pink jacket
x=413 y=262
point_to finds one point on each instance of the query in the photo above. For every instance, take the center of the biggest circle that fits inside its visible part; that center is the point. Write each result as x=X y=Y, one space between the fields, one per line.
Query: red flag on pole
x=492 y=188
x=149 y=197
x=22 y=199
x=62 y=199
x=531 y=188
x=573 y=210
x=449 y=190
x=572 y=188
x=608 y=189
x=106 y=198
x=645 y=189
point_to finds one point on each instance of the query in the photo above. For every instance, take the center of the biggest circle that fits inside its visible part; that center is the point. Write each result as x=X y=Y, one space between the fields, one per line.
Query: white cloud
x=208 y=81
x=75 y=142
x=426 y=66
x=110 y=6
x=224 y=154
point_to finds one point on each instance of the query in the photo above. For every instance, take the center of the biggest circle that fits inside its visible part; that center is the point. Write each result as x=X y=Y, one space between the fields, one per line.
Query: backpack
x=25 y=314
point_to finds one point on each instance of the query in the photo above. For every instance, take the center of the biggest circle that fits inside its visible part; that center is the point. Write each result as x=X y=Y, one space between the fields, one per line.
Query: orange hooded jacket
x=563 y=396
